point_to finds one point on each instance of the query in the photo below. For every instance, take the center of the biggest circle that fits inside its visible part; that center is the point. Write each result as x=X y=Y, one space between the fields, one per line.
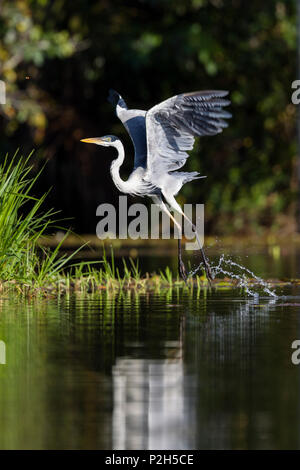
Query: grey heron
x=161 y=138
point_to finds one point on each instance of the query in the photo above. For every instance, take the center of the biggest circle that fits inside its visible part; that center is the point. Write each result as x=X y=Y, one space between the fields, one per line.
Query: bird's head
x=106 y=140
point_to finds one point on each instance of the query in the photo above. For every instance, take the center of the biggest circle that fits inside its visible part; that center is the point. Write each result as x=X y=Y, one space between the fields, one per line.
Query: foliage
x=25 y=45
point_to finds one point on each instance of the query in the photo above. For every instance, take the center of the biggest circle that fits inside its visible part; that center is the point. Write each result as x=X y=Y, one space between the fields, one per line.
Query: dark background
x=59 y=58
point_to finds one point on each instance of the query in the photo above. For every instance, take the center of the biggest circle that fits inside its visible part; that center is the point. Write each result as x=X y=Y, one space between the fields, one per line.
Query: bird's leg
x=173 y=203
x=210 y=276
x=181 y=267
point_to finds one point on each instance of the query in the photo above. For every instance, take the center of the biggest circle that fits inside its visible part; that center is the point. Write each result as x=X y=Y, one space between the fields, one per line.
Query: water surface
x=165 y=370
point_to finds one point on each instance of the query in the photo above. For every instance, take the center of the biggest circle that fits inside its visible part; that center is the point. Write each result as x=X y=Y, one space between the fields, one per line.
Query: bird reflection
x=149 y=402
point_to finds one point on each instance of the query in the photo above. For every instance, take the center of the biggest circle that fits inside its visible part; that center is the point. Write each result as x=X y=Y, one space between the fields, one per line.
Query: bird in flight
x=161 y=138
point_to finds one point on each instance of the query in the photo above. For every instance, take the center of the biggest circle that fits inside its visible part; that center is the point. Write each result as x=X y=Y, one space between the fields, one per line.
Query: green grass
x=22 y=224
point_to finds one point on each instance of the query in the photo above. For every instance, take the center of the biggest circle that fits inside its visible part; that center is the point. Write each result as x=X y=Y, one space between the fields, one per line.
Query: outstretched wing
x=173 y=125
x=134 y=122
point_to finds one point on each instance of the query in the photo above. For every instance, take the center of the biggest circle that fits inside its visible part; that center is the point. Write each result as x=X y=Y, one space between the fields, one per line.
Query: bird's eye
x=108 y=139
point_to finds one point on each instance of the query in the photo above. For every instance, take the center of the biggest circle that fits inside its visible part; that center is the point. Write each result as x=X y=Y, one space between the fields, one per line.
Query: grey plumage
x=163 y=135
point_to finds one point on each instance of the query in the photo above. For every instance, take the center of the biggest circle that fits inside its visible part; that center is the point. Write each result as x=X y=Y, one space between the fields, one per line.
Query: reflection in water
x=149 y=402
x=166 y=370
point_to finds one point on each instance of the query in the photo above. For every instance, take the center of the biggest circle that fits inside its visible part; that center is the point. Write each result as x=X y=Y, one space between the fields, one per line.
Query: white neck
x=115 y=167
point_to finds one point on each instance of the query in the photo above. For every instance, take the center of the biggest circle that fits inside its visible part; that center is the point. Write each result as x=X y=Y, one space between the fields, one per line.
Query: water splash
x=243 y=275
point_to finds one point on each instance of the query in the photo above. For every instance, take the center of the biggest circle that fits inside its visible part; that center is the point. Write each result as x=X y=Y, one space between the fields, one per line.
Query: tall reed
x=22 y=223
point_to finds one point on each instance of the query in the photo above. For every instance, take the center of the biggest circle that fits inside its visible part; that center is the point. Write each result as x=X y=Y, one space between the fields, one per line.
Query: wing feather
x=171 y=128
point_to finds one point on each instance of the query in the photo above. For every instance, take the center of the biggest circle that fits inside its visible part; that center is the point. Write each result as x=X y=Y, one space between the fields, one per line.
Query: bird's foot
x=182 y=270
x=209 y=273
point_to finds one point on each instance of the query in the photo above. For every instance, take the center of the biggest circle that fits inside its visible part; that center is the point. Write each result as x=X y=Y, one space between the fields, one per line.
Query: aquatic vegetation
x=22 y=223
x=104 y=275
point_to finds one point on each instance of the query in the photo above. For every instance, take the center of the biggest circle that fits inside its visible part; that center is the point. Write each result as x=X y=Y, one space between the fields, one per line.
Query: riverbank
x=100 y=282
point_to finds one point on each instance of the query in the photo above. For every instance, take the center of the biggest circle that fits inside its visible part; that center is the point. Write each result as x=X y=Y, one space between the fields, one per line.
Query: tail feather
x=190 y=176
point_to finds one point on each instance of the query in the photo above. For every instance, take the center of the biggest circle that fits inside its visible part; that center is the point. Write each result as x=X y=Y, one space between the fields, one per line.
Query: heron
x=161 y=138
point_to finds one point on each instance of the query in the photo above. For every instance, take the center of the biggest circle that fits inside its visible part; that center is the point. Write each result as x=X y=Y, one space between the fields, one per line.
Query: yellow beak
x=91 y=140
